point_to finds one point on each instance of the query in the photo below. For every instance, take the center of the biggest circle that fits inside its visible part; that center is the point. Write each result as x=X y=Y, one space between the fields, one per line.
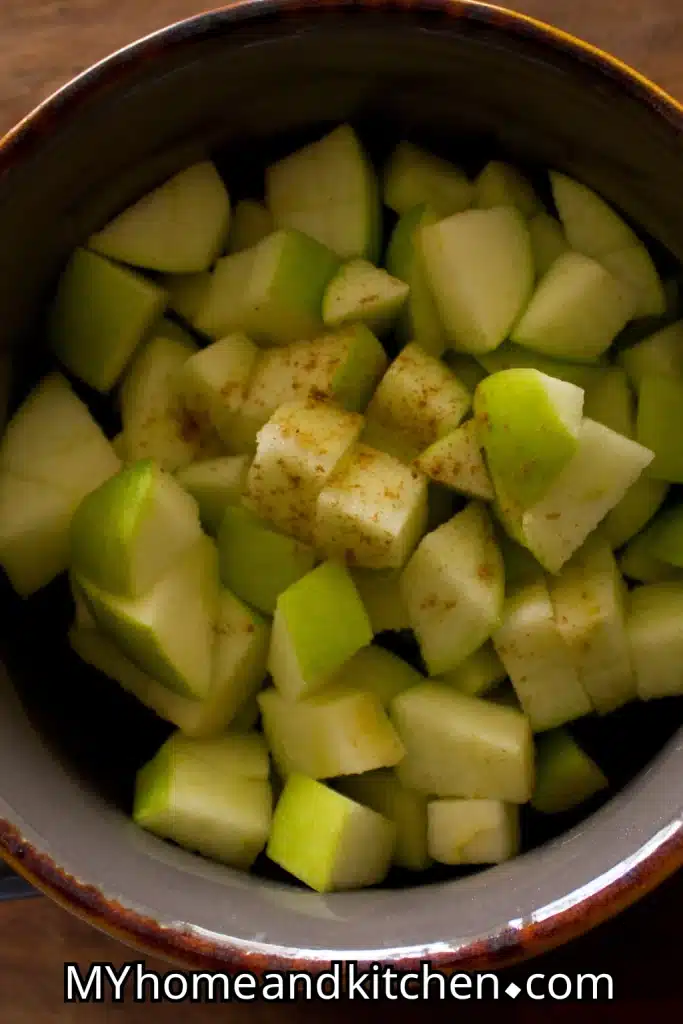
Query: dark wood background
x=45 y=42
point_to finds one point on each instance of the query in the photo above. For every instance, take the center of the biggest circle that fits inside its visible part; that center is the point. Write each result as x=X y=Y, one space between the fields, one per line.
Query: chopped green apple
x=380 y=593
x=565 y=775
x=640 y=503
x=501 y=184
x=417 y=401
x=472 y=831
x=256 y=562
x=660 y=353
x=186 y=293
x=463 y=746
x=453 y=588
x=127 y=533
x=667 y=536
x=576 y=310
x=466 y=368
x=341 y=731
x=361 y=293
x=548 y=241
x=509 y=356
x=193 y=794
x=610 y=401
x=638 y=561
x=589 y=598
x=328 y=190
x=328 y=841
x=480 y=269
x=419 y=320
x=251 y=222
x=591 y=225
x=477 y=674
x=537 y=660
x=34 y=532
x=215 y=484
x=213 y=383
x=656 y=639
x=297 y=452
x=272 y=292
x=319 y=623
x=659 y=425
x=99 y=315
x=179 y=228
x=120 y=445
x=457 y=462
x=372 y=511
x=634 y=266
x=375 y=670
x=413 y=176
x=591 y=484
x=382 y=792
x=520 y=565
x=528 y=425
x=168 y=632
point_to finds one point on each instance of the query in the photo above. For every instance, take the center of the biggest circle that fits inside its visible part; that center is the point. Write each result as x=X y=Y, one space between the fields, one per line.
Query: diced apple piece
x=565 y=775
x=128 y=532
x=638 y=561
x=179 y=228
x=610 y=401
x=634 y=511
x=467 y=369
x=328 y=841
x=272 y=292
x=635 y=268
x=528 y=424
x=520 y=565
x=661 y=353
x=376 y=670
x=319 y=623
x=215 y=484
x=120 y=445
x=382 y=792
x=188 y=793
x=342 y=366
x=576 y=311
x=589 y=598
x=340 y=731
x=372 y=511
x=361 y=293
x=328 y=190
x=380 y=593
x=472 y=831
x=480 y=269
x=251 y=222
x=453 y=588
x=186 y=293
x=457 y=461
x=655 y=632
x=256 y=562
x=213 y=383
x=597 y=478
x=417 y=401
x=100 y=313
x=297 y=452
x=168 y=632
x=538 y=661
x=509 y=356
x=463 y=746
x=34 y=532
x=667 y=536
x=659 y=425
x=501 y=184
x=419 y=320
x=413 y=176
x=548 y=241
x=477 y=674
x=155 y=422
x=592 y=226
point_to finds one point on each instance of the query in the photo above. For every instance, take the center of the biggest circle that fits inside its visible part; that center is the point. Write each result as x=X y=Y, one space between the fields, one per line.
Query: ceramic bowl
x=246 y=82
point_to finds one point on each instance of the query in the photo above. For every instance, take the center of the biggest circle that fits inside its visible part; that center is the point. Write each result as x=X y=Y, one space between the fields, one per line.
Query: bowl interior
x=246 y=90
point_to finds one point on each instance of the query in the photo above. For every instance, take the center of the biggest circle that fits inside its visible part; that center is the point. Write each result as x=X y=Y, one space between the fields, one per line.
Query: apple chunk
x=457 y=462
x=178 y=228
x=478 y=673
x=319 y=623
x=501 y=184
x=591 y=225
x=528 y=424
x=472 y=831
x=640 y=503
x=100 y=313
x=635 y=267
x=382 y=792
x=215 y=484
x=548 y=241
x=610 y=401
x=463 y=746
x=565 y=775
x=372 y=511
x=419 y=319
x=363 y=293
x=654 y=630
x=380 y=593
x=377 y=671
x=453 y=588
x=413 y=176
x=659 y=425
x=328 y=841
x=251 y=222
x=128 y=532
x=197 y=793
x=660 y=354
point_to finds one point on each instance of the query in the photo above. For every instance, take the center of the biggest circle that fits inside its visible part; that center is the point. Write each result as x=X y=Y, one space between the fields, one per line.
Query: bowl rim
x=656 y=859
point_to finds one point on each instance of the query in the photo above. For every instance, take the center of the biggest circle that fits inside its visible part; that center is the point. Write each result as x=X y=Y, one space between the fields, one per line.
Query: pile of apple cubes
x=280 y=493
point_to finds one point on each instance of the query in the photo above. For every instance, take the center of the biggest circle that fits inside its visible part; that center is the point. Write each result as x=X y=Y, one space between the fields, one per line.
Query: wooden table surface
x=45 y=42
